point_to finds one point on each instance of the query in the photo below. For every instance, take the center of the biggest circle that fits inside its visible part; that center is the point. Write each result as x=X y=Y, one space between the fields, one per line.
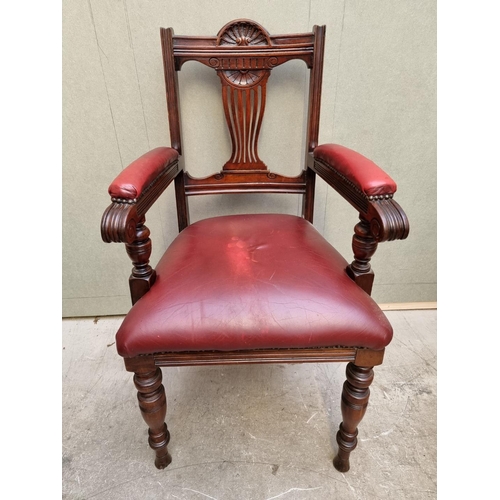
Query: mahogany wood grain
x=172 y=88
x=315 y=83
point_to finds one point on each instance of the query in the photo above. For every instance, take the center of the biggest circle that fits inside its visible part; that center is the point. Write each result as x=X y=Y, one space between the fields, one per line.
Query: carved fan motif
x=243 y=34
x=243 y=77
x=242 y=71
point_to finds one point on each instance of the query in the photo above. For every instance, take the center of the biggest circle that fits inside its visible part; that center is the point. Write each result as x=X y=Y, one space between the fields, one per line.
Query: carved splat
x=244 y=82
x=243 y=54
x=244 y=110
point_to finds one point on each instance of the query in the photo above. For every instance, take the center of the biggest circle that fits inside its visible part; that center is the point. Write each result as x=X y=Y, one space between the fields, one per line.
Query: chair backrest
x=243 y=54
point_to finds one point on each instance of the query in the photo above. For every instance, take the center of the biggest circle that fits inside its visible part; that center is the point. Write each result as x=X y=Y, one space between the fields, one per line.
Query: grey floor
x=257 y=432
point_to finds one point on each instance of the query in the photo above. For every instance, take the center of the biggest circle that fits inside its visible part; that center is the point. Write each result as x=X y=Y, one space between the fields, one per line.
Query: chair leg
x=153 y=406
x=355 y=394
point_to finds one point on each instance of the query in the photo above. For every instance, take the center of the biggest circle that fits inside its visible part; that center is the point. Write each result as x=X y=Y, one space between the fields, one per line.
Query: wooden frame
x=260 y=56
x=244 y=54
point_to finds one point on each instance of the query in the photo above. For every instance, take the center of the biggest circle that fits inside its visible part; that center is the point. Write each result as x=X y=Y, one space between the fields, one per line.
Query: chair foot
x=153 y=406
x=355 y=395
x=159 y=443
x=341 y=464
x=164 y=461
x=347 y=442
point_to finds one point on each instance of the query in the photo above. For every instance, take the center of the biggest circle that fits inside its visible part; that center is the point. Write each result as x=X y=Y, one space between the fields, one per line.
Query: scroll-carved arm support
x=370 y=190
x=133 y=192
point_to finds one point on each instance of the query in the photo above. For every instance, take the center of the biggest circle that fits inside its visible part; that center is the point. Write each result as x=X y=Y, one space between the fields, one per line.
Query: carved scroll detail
x=387 y=220
x=119 y=222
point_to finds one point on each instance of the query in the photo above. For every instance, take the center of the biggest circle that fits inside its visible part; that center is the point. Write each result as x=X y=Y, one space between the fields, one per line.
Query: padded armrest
x=365 y=186
x=132 y=181
x=361 y=171
x=135 y=190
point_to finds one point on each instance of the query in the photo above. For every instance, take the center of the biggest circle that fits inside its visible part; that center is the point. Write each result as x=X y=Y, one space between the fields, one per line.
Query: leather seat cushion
x=250 y=282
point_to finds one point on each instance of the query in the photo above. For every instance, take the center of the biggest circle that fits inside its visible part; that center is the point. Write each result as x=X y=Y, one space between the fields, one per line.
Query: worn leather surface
x=365 y=174
x=132 y=180
x=251 y=281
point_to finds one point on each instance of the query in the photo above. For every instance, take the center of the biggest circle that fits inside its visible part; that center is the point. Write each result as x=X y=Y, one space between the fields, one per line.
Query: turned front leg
x=355 y=394
x=153 y=406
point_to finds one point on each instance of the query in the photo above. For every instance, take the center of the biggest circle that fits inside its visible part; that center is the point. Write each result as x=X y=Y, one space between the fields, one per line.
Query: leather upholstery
x=131 y=181
x=248 y=282
x=365 y=174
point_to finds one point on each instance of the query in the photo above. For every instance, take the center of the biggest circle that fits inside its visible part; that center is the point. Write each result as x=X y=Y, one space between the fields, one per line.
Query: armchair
x=256 y=288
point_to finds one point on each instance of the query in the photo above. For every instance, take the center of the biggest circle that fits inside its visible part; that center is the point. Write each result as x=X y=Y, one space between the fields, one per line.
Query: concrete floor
x=256 y=432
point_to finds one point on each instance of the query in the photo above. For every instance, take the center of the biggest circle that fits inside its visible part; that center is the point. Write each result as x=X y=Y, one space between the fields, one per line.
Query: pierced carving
x=244 y=111
x=243 y=74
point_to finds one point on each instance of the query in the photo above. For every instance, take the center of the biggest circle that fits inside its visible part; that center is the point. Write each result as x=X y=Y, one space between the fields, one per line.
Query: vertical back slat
x=315 y=83
x=171 y=87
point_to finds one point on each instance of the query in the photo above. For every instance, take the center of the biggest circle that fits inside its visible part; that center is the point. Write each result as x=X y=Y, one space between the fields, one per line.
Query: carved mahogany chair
x=261 y=288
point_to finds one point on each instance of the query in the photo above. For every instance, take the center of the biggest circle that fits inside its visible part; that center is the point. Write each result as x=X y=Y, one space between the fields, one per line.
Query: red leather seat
x=249 y=282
